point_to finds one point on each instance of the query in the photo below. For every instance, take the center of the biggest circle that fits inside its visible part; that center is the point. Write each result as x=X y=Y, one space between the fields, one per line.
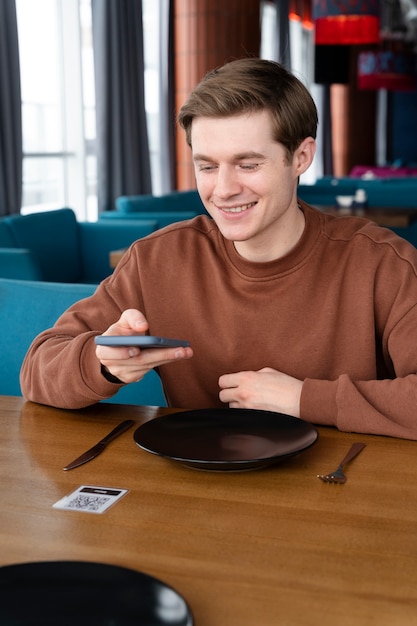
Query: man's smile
x=236 y=209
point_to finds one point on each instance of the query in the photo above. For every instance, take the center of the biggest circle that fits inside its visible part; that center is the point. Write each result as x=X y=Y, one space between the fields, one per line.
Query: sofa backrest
x=52 y=236
x=98 y=239
x=29 y=307
x=324 y=195
x=381 y=193
x=162 y=218
x=19 y=263
x=179 y=201
x=6 y=236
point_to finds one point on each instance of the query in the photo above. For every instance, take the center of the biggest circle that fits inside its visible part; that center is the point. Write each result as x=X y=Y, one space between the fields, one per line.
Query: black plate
x=77 y=593
x=226 y=439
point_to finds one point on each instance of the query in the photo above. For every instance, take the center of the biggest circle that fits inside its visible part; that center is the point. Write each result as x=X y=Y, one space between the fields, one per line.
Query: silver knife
x=99 y=447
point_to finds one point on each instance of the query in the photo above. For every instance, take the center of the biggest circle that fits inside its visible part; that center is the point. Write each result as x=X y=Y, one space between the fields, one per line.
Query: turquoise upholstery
x=66 y=250
x=163 y=218
x=165 y=209
x=19 y=263
x=174 y=201
x=27 y=308
x=382 y=193
x=6 y=237
x=409 y=233
x=16 y=262
x=98 y=239
x=324 y=195
x=392 y=193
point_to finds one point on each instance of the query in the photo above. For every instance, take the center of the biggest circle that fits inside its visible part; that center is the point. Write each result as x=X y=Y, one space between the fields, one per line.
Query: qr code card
x=90 y=499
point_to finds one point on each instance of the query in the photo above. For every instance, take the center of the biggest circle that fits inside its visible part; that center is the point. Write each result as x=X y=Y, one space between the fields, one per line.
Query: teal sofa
x=27 y=308
x=174 y=201
x=54 y=246
x=395 y=192
x=16 y=262
x=165 y=209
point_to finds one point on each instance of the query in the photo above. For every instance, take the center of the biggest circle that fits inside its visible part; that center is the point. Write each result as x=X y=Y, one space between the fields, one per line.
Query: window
x=58 y=103
x=57 y=83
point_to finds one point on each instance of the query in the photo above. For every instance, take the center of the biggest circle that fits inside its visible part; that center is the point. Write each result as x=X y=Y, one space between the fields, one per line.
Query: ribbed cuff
x=318 y=401
x=110 y=377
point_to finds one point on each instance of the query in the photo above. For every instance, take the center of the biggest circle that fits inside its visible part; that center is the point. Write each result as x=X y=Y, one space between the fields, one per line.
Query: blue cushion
x=6 y=236
x=324 y=195
x=98 y=239
x=29 y=307
x=16 y=262
x=384 y=192
x=174 y=201
x=70 y=251
x=392 y=196
x=53 y=238
x=19 y=263
x=163 y=218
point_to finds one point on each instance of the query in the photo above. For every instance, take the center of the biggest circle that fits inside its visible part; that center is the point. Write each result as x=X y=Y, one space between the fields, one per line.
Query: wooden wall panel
x=207 y=34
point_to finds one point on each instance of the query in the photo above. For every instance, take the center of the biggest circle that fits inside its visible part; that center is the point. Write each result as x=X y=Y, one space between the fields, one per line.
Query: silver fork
x=338 y=476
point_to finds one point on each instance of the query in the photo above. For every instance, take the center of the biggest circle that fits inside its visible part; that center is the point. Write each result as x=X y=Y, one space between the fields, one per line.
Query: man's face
x=245 y=182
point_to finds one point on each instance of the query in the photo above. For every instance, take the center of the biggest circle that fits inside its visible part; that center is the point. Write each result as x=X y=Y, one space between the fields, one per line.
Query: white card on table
x=90 y=499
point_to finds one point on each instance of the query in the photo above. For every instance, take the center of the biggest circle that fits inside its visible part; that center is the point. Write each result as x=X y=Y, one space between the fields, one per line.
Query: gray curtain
x=283 y=30
x=10 y=112
x=123 y=159
x=167 y=112
x=326 y=132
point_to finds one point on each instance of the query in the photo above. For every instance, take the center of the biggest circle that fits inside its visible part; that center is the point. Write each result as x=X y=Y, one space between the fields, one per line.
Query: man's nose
x=227 y=182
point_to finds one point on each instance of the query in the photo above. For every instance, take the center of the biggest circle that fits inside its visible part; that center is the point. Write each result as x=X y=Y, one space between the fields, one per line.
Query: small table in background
x=115 y=256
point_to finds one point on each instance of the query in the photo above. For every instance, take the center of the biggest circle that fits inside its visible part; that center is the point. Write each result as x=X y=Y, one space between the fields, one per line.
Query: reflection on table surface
x=259 y=548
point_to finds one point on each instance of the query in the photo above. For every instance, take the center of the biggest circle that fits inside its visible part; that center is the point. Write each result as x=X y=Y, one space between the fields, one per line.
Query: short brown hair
x=253 y=84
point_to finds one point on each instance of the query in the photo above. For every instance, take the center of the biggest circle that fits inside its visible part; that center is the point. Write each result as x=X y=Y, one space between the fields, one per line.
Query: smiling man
x=286 y=309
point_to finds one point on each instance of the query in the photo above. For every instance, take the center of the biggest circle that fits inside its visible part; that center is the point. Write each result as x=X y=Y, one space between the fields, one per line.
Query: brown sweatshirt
x=339 y=312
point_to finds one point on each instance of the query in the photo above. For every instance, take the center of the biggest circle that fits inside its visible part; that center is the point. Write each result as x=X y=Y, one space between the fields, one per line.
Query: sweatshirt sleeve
x=383 y=400
x=61 y=368
x=383 y=407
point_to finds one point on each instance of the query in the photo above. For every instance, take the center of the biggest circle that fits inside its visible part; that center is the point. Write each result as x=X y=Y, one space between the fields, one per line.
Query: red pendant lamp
x=346 y=22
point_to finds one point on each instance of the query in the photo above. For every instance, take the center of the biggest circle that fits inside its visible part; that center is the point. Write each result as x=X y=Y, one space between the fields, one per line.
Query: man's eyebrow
x=249 y=155
x=200 y=157
x=237 y=157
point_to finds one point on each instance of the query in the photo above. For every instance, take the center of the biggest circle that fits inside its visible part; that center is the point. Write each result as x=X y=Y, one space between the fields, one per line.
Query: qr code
x=90 y=499
x=87 y=503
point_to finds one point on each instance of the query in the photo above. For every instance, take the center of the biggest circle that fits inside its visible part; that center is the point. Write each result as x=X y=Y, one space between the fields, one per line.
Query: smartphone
x=142 y=341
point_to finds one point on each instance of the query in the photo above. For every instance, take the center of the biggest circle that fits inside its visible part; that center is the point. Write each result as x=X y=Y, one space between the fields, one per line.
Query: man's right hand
x=130 y=364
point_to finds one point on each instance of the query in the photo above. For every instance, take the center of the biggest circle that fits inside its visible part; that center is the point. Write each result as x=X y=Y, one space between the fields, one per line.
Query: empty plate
x=226 y=439
x=78 y=593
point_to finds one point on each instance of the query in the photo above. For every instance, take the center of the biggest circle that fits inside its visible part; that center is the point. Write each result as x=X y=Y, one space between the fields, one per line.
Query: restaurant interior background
x=97 y=120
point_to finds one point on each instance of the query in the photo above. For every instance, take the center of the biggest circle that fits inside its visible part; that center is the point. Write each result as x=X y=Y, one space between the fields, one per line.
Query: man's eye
x=249 y=166
x=206 y=168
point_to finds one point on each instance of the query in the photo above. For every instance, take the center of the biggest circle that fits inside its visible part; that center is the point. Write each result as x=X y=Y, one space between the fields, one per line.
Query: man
x=286 y=309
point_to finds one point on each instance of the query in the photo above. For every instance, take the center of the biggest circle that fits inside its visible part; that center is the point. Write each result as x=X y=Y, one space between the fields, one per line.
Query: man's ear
x=304 y=155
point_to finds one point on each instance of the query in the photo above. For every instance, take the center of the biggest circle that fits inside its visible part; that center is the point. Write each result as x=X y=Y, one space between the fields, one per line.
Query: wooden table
x=261 y=548
x=115 y=256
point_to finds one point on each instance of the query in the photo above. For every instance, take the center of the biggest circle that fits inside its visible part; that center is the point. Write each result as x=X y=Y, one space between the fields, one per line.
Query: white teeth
x=237 y=209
